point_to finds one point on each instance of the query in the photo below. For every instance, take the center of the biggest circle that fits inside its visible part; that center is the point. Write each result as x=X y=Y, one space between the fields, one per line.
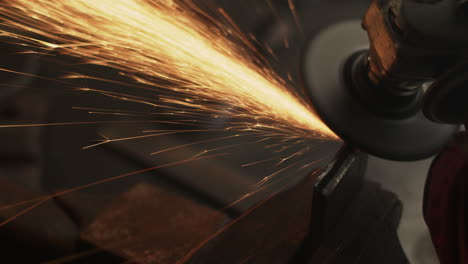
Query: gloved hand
x=446 y=202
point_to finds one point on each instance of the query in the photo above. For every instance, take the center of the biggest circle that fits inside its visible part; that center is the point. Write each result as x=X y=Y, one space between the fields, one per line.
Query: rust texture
x=271 y=232
x=150 y=225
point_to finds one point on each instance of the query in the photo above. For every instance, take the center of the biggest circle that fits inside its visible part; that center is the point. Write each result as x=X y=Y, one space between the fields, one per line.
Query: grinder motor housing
x=398 y=91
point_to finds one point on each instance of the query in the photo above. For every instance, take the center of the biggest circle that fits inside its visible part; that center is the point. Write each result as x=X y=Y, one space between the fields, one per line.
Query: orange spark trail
x=194 y=143
x=292 y=7
x=170 y=41
x=40 y=200
x=90 y=123
x=30 y=208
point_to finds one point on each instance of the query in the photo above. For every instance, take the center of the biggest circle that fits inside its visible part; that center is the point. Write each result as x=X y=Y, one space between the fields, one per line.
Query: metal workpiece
x=288 y=226
x=335 y=191
x=352 y=217
x=150 y=225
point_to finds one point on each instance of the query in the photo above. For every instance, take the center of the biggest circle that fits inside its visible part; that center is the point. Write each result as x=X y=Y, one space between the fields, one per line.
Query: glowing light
x=169 y=45
x=172 y=45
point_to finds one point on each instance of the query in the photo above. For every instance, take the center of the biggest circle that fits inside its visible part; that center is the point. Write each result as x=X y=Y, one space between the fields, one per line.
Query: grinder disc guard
x=406 y=138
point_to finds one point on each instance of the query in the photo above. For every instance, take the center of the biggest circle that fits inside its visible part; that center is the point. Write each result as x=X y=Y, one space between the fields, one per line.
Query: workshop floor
x=407 y=179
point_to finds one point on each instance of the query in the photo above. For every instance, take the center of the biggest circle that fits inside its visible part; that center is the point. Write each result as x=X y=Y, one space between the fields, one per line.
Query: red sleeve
x=446 y=204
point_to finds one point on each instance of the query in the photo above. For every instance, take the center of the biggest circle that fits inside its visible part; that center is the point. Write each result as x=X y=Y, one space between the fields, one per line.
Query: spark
x=107 y=140
x=195 y=143
x=269 y=177
x=23 y=73
x=292 y=7
x=90 y=123
x=213 y=236
x=119 y=111
x=204 y=152
x=41 y=200
x=279 y=19
x=260 y=162
x=196 y=66
x=28 y=209
x=20 y=203
x=171 y=45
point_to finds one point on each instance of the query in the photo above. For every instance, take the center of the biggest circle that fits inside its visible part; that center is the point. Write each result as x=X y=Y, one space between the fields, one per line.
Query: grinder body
x=385 y=89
